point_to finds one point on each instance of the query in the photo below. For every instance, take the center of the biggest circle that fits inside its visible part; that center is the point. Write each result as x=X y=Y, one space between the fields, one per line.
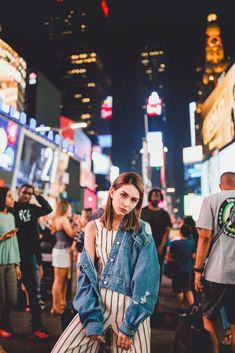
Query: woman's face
x=124 y=199
x=9 y=199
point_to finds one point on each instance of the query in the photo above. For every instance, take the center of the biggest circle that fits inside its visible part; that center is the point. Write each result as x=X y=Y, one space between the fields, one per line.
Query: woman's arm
x=87 y=301
x=145 y=286
x=67 y=227
x=89 y=239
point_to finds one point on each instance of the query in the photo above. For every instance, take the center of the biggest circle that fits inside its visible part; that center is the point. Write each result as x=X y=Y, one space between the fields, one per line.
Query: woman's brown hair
x=61 y=210
x=132 y=219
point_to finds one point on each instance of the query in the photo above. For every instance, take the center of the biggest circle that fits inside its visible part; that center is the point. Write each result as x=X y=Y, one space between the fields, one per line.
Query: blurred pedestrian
x=61 y=254
x=159 y=221
x=218 y=284
x=122 y=293
x=9 y=261
x=26 y=218
x=182 y=253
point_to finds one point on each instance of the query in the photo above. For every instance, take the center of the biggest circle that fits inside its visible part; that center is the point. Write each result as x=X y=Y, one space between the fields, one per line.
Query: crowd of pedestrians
x=121 y=252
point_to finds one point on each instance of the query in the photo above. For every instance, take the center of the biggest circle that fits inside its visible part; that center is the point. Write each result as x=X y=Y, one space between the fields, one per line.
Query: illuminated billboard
x=218 y=114
x=154 y=105
x=192 y=154
x=105 y=141
x=38 y=164
x=107 y=108
x=9 y=142
x=155 y=148
x=192 y=205
x=101 y=163
x=12 y=77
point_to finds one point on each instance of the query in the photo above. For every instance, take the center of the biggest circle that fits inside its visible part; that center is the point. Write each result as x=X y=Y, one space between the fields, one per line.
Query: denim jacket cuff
x=94 y=328
x=127 y=330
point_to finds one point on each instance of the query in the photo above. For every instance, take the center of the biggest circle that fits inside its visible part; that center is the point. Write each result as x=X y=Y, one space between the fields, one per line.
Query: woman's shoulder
x=144 y=233
x=92 y=226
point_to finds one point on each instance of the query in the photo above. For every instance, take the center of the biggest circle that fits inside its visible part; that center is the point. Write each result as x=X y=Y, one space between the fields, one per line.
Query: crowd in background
x=28 y=228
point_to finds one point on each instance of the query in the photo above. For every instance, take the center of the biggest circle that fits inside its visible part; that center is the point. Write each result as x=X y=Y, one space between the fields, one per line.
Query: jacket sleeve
x=88 y=304
x=145 y=287
x=45 y=207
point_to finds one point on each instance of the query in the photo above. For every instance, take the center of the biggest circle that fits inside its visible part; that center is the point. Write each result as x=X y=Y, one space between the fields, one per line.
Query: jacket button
x=105 y=282
x=111 y=260
x=118 y=242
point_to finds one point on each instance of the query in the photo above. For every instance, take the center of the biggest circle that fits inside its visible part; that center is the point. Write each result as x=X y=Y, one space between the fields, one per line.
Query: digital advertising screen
x=9 y=140
x=38 y=163
x=218 y=114
x=12 y=77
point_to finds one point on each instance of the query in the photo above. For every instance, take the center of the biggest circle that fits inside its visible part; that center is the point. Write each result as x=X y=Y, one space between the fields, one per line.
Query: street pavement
x=163 y=327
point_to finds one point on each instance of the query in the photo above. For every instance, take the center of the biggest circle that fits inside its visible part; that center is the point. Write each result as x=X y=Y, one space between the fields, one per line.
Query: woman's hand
x=18 y=272
x=10 y=234
x=97 y=338
x=124 y=341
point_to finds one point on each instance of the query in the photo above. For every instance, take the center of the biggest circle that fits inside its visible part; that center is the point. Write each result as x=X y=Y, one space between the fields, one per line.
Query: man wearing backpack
x=217 y=279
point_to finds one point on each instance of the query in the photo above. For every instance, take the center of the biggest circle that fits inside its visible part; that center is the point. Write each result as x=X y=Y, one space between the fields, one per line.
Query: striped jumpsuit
x=74 y=340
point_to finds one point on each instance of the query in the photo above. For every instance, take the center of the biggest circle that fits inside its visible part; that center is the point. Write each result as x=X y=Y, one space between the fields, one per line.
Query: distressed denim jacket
x=132 y=269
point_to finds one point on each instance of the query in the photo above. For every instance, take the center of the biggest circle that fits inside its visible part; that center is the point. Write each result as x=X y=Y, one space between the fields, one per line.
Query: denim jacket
x=132 y=269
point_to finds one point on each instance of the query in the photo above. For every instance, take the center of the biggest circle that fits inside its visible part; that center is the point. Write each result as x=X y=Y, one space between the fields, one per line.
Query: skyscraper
x=81 y=77
x=152 y=85
x=215 y=65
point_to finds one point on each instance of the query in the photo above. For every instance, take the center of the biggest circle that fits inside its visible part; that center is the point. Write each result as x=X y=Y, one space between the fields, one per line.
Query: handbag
x=190 y=336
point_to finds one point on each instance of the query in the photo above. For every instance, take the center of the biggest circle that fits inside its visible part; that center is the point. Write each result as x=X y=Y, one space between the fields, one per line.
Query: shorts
x=181 y=282
x=216 y=295
x=61 y=258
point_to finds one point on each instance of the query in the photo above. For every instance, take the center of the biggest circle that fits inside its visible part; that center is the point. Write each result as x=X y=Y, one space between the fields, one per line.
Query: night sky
x=176 y=26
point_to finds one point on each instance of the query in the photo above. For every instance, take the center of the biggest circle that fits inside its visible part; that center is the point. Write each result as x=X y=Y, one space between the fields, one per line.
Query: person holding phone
x=9 y=261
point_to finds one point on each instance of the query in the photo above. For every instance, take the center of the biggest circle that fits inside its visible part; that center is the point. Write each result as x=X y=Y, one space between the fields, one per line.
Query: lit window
x=93 y=55
x=83 y=56
x=78 y=95
x=85 y=116
x=91 y=84
x=86 y=100
x=144 y=54
x=74 y=57
x=162 y=65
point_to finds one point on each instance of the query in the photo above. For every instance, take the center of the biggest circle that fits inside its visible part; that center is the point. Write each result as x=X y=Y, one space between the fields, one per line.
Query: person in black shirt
x=159 y=221
x=26 y=219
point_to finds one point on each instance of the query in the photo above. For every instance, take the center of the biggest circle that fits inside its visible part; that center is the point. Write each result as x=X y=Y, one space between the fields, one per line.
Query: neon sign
x=105 y=8
x=154 y=105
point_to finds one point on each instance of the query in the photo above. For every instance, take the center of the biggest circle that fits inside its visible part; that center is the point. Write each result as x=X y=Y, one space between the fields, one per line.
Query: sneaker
x=41 y=335
x=5 y=334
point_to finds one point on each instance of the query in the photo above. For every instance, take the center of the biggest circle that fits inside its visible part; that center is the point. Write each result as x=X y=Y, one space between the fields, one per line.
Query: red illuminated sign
x=107 y=108
x=154 y=105
x=105 y=8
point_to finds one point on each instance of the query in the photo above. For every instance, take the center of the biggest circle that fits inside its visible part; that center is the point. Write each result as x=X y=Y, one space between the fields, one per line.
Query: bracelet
x=199 y=270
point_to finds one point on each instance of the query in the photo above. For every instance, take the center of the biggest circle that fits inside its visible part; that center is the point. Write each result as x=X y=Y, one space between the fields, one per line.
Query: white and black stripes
x=73 y=339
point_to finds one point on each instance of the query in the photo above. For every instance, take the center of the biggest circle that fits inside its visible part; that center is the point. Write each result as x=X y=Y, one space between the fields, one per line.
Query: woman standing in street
x=9 y=261
x=119 y=276
x=61 y=255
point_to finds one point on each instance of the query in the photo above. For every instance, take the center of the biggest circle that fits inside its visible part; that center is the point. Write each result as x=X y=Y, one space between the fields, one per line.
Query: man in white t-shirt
x=218 y=285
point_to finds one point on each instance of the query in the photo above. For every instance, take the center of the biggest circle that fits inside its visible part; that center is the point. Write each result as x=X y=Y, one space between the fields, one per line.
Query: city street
x=163 y=326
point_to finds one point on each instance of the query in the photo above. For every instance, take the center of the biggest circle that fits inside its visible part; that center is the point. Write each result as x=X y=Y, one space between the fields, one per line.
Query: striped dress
x=74 y=340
